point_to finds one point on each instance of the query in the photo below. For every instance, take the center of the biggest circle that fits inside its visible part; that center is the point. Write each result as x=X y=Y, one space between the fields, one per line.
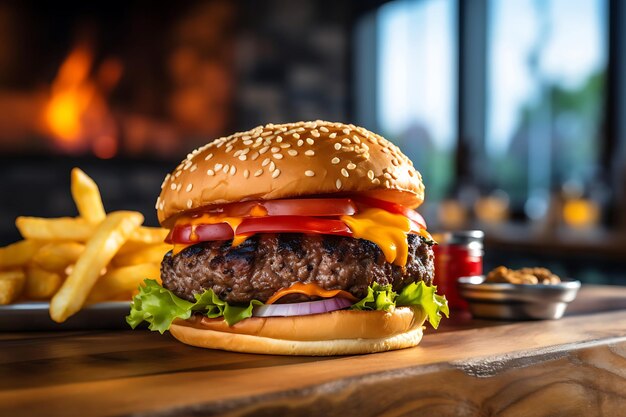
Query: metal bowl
x=517 y=301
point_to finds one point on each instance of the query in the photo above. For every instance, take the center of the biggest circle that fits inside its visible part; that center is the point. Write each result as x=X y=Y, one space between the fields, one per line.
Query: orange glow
x=76 y=115
x=581 y=213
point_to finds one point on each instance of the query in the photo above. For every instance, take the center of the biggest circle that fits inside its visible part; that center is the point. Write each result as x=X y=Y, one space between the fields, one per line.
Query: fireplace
x=125 y=91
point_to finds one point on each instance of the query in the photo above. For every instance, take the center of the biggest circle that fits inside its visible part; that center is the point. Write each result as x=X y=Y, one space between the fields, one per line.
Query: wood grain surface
x=575 y=366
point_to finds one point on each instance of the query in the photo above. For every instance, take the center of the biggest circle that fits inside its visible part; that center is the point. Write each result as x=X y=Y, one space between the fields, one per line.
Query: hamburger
x=295 y=239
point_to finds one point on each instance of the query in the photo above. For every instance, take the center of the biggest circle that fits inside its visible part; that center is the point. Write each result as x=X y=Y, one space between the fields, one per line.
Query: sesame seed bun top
x=290 y=160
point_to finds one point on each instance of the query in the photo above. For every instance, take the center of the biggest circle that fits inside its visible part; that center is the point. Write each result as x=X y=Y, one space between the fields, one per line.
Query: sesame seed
x=189 y=187
x=254 y=156
x=344 y=172
x=265 y=162
x=337 y=146
x=179 y=186
x=351 y=166
x=324 y=129
x=237 y=153
x=245 y=151
x=242 y=157
x=173 y=186
x=233 y=170
x=279 y=139
x=247 y=142
x=310 y=153
x=272 y=166
x=385 y=150
x=229 y=148
x=335 y=160
x=209 y=156
x=346 y=131
x=309 y=173
x=275 y=149
x=276 y=173
x=189 y=204
x=218 y=166
x=387 y=175
x=210 y=172
x=356 y=139
x=310 y=141
x=333 y=135
x=346 y=141
x=285 y=145
x=225 y=169
x=315 y=133
x=338 y=183
x=370 y=174
x=246 y=173
x=300 y=142
x=296 y=136
x=376 y=181
x=395 y=162
x=246 y=137
x=278 y=155
x=263 y=149
x=292 y=152
x=267 y=133
x=258 y=172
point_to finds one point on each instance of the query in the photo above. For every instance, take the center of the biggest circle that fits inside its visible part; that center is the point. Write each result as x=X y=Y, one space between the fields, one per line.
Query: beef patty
x=266 y=263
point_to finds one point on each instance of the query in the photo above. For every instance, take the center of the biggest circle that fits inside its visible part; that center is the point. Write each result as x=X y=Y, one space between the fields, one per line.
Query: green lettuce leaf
x=160 y=307
x=418 y=293
x=381 y=297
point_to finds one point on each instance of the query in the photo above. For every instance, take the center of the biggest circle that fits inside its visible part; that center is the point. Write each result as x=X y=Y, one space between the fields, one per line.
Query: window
x=546 y=65
x=415 y=82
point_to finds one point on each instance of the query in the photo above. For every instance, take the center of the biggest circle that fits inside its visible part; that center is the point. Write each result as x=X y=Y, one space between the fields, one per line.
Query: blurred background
x=513 y=110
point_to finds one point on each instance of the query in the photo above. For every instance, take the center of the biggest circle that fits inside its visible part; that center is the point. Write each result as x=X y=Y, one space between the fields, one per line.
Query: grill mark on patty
x=266 y=263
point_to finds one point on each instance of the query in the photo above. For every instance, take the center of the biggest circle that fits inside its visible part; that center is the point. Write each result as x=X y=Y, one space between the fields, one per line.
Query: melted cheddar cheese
x=310 y=290
x=387 y=230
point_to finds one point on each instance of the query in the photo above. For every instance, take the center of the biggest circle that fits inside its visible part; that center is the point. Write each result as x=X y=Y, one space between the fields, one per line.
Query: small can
x=457 y=254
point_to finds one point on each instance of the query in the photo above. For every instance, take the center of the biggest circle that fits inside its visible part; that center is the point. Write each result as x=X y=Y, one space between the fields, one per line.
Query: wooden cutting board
x=573 y=366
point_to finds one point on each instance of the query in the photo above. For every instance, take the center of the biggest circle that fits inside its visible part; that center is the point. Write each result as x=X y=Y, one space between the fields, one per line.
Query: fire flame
x=77 y=115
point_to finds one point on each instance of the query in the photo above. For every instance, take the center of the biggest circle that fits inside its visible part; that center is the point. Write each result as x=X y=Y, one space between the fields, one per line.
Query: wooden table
x=575 y=366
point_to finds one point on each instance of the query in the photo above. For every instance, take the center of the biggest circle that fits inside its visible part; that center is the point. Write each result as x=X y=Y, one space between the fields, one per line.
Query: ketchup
x=458 y=254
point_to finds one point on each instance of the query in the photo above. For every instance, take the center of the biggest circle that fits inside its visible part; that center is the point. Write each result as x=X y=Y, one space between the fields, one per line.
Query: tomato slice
x=413 y=215
x=321 y=207
x=251 y=225
x=294 y=224
x=203 y=232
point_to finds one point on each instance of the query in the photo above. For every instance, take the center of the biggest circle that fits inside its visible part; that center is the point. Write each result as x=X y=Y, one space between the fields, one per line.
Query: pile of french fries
x=74 y=261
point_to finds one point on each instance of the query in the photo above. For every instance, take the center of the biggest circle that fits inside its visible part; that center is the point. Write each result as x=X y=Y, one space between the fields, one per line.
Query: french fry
x=18 y=254
x=87 y=197
x=122 y=282
x=149 y=254
x=63 y=228
x=78 y=230
x=99 y=250
x=11 y=285
x=41 y=284
x=57 y=256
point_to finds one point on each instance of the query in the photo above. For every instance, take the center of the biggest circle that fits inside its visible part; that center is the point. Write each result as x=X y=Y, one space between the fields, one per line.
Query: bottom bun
x=398 y=333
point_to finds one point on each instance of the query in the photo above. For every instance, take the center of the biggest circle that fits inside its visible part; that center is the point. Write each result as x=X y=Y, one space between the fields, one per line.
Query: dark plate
x=35 y=316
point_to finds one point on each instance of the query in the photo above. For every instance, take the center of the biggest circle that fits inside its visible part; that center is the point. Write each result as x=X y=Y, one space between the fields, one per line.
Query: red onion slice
x=301 y=309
